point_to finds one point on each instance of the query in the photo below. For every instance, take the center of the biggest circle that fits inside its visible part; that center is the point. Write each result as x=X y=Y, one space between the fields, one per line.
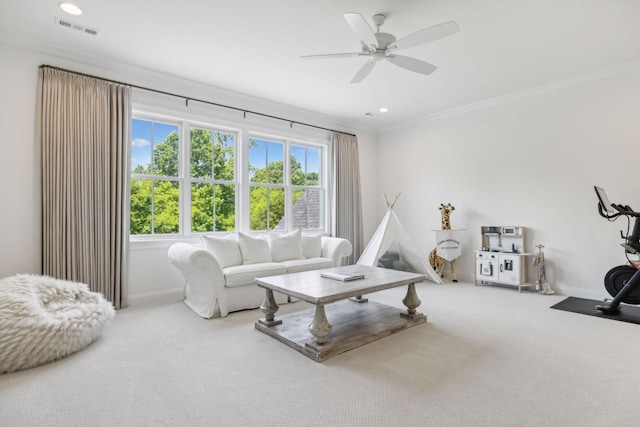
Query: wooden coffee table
x=355 y=321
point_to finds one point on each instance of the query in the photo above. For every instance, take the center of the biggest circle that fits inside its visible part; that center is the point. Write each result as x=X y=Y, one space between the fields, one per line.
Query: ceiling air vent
x=74 y=26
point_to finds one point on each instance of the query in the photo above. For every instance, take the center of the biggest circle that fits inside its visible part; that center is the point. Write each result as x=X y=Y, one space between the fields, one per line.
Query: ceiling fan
x=378 y=46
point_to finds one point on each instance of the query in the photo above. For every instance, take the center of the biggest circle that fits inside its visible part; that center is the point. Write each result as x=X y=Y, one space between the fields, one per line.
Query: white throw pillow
x=254 y=249
x=285 y=247
x=312 y=245
x=225 y=249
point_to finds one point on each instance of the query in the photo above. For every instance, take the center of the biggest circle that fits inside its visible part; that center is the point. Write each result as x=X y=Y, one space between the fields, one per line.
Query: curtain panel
x=347 y=203
x=84 y=137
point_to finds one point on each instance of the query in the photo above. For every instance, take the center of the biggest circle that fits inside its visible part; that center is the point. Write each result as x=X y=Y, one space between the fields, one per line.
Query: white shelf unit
x=502 y=257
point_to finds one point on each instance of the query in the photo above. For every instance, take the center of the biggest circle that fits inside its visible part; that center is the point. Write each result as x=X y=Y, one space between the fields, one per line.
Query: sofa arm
x=336 y=248
x=204 y=288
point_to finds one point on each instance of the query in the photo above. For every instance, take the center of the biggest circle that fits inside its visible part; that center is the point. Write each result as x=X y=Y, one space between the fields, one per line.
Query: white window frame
x=243 y=133
x=185 y=203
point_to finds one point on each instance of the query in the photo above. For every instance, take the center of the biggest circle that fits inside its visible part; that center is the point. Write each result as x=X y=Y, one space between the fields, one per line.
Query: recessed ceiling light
x=383 y=109
x=70 y=8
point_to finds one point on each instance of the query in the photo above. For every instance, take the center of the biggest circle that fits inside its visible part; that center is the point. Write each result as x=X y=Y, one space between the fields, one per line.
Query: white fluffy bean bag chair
x=43 y=319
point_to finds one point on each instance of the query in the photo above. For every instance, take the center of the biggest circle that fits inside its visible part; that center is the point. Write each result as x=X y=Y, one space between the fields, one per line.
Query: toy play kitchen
x=501 y=259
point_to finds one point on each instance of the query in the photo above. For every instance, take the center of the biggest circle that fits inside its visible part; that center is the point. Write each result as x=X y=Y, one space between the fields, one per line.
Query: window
x=155 y=187
x=186 y=179
x=305 y=181
x=274 y=182
x=212 y=180
x=267 y=189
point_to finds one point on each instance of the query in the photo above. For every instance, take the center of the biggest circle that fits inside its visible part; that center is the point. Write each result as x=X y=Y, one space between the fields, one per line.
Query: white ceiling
x=254 y=47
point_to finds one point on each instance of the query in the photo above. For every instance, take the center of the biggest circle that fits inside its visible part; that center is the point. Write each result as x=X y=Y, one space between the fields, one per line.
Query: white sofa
x=220 y=275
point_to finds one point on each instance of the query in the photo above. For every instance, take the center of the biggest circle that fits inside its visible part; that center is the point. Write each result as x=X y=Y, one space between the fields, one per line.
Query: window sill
x=142 y=243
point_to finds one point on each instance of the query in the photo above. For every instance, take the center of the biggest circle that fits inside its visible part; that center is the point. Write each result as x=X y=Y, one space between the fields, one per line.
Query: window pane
x=140 y=221
x=299 y=209
x=298 y=165
x=212 y=207
x=266 y=208
x=258 y=208
x=140 y=146
x=305 y=166
x=275 y=165
x=314 y=208
x=225 y=207
x=266 y=161
x=201 y=207
x=200 y=151
x=165 y=149
x=166 y=210
x=306 y=209
x=223 y=156
x=257 y=160
x=313 y=166
x=276 y=209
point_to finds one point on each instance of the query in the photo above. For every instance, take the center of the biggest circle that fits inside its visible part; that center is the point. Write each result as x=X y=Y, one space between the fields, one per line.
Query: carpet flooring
x=487 y=356
x=627 y=313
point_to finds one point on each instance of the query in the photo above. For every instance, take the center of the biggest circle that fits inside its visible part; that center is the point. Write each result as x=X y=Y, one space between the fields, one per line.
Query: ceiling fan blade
x=359 y=26
x=411 y=64
x=363 y=72
x=425 y=36
x=333 y=55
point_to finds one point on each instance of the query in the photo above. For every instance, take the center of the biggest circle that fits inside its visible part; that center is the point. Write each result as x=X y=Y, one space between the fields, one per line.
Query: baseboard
x=583 y=293
x=572 y=291
x=154 y=297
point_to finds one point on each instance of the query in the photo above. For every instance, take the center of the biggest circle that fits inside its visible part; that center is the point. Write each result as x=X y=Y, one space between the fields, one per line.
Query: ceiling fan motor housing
x=384 y=40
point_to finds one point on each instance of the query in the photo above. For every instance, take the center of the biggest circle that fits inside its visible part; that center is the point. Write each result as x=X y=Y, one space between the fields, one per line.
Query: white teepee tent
x=391 y=236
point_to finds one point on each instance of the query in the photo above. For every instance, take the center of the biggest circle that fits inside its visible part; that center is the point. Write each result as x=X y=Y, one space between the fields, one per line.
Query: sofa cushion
x=225 y=249
x=298 y=265
x=243 y=275
x=254 y=249
x=285 y=246
x=312 y=245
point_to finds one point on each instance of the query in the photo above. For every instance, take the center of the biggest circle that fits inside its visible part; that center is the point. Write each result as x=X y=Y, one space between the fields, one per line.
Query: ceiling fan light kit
x=381 y=46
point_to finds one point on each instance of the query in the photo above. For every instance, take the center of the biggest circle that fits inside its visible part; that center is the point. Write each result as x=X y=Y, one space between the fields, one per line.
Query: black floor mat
x=627 y=313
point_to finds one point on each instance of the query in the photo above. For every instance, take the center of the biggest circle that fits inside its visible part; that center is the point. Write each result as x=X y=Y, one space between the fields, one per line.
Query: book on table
x=343 y=275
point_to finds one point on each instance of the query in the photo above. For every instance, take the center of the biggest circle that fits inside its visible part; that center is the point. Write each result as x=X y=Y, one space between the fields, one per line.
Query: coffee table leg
x=320 y=326
x=269 y=308
x=411 y=300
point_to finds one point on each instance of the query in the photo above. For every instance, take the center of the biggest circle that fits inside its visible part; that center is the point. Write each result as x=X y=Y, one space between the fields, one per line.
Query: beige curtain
x=84 y=136
x=347 y=201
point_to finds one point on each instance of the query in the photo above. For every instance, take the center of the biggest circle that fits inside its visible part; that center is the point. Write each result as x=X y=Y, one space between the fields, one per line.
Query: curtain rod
x=187 y=99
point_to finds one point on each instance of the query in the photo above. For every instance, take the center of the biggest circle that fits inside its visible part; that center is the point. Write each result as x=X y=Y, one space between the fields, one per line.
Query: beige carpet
x=487 y=356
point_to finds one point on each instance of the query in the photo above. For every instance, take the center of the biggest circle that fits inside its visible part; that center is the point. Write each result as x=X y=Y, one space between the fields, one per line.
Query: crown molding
x=628 y=67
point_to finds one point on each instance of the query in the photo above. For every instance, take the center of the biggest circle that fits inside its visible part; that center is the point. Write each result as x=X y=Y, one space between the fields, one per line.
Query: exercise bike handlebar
x=621 y=210
x=625 y=210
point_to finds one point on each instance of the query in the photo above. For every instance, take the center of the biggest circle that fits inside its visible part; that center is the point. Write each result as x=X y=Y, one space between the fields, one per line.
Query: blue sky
x=258 y=155
x=143 y=133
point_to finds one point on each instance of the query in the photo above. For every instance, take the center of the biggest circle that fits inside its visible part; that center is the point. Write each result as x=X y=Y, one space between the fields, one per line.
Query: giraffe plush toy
x=437 y=263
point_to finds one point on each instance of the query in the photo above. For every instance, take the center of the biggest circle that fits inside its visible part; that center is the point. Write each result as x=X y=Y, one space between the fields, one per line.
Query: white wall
x=531 y=161
x=19 y=177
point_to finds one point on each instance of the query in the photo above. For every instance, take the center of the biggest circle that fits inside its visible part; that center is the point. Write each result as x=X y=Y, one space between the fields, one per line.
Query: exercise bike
x=622 y=282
